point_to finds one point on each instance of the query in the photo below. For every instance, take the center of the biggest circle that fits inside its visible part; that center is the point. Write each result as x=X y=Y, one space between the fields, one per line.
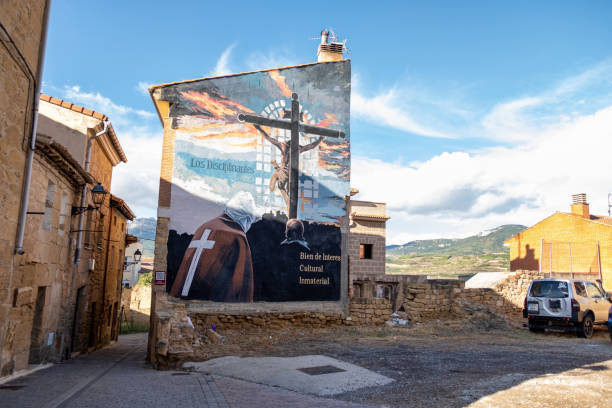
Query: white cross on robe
x=199 y=245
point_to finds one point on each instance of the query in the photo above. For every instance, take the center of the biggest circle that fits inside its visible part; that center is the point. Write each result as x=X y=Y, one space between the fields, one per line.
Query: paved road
x=118 y=376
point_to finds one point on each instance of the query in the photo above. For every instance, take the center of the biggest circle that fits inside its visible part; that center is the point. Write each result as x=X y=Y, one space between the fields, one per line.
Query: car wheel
x=535 y=329
x=585 y=329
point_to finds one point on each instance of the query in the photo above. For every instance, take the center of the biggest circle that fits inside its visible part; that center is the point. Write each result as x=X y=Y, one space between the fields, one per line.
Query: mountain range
x=486 y=242
x=144 y=229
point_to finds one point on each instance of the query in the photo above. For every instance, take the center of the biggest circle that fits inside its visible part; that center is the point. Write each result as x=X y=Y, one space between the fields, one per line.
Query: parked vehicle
x=569 y=304
x=610 y=322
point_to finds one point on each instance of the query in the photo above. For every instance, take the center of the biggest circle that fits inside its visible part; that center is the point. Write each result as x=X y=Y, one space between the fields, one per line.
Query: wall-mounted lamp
x=98 y=193
x=137 y=257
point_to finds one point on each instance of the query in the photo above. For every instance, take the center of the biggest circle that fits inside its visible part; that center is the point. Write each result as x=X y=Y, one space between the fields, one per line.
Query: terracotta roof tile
x=71 y=106
x=88 y=112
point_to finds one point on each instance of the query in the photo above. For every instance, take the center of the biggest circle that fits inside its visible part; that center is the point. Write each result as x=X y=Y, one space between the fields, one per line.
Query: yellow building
x=567 y=244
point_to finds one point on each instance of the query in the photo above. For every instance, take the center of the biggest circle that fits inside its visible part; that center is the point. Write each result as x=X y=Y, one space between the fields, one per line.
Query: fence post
x=569 y=245
x=599 y=262
x=541 y=254
x=550 y=260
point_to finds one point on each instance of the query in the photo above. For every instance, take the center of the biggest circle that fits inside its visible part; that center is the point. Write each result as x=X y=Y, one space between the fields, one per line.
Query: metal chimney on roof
x=579 y=198
x=329 y=52
x=580 y=207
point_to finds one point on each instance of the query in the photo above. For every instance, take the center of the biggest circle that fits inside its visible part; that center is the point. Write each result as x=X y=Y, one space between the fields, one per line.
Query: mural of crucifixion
x=290 y=151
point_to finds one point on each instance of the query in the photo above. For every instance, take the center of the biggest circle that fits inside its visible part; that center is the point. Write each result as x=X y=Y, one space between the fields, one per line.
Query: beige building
x=102 y=233
x=575 y=243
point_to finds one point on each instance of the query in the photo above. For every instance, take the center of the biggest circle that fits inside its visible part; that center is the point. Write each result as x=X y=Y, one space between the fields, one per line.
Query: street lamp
x=98 y=193
x=137 y=256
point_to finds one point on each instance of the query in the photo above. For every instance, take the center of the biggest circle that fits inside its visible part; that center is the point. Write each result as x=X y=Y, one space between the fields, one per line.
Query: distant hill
x=144 y=229
x=487 y=242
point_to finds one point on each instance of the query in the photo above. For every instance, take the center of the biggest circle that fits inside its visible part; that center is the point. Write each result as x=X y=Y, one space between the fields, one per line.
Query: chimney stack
x=329 y=52
x=580 y=207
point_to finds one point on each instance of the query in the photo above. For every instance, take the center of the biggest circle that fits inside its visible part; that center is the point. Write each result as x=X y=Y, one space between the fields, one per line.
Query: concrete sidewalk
x=118 y=376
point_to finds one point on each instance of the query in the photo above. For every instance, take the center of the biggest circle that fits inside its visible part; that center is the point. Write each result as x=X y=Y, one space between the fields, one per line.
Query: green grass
x=145 y=279
x=446 y=265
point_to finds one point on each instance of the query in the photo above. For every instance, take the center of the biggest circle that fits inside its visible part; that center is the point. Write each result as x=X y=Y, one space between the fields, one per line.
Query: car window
x=580 y=289
x=593 y=290
x=553 y=289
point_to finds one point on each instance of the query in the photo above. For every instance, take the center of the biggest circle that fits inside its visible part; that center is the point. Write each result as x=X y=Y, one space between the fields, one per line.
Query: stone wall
x=369 y=312
x=180 y=334
x=437 y=299
x=136 y=303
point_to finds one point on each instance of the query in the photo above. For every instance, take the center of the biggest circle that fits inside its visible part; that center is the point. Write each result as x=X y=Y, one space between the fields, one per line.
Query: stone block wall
x=136 y=303
x=433 y=299
x=179 y=334
x=369 y=312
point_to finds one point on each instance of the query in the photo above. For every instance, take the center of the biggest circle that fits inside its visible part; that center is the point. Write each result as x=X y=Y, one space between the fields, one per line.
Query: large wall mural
x=231 y=238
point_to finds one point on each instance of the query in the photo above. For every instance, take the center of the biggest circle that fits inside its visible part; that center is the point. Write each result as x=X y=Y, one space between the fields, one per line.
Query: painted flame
x=219 y=108
x=280 y=81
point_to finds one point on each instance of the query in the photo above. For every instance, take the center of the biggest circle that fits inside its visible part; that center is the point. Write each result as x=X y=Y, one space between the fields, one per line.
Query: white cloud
x=272 y=59
x=459 y=194
x=222 y=65
x=140 y=136
x=143 y=87
x=387 y=109
x=103 y=104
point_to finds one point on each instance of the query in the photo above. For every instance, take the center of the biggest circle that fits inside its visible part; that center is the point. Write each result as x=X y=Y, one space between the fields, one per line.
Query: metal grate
x=326 y=369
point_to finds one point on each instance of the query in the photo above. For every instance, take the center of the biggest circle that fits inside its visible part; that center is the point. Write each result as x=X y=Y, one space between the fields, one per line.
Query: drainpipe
x=25 y=192
x=77 y=253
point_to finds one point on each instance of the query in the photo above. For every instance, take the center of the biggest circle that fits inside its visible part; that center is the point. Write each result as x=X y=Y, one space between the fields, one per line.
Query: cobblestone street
x=118 y=376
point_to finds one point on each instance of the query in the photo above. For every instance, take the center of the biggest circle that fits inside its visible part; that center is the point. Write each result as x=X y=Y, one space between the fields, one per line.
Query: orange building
x=566 y=244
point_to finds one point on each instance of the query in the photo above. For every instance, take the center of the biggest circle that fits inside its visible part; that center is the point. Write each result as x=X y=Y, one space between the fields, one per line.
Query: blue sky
x=465 y=115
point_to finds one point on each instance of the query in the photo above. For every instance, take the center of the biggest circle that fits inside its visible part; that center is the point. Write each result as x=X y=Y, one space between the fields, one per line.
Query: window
x=593 y=290
x=356 y=290
x=49 y=206
x=112 y=260
x=63 y=212
x=549 y=289
x=383 y=292
x=580 y=289
x=365 y=251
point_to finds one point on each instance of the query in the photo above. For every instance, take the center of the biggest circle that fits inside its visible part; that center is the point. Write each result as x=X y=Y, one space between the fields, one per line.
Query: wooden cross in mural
x=295 y=127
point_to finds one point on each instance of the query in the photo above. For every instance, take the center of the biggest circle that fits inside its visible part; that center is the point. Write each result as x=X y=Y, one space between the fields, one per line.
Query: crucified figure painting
x=280 y=176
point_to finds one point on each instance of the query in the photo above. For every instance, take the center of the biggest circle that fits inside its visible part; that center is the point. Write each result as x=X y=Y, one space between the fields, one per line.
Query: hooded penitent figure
x=217 y=265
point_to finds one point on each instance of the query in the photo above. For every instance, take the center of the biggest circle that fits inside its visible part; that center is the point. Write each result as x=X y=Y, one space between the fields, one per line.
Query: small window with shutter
x=365 y=251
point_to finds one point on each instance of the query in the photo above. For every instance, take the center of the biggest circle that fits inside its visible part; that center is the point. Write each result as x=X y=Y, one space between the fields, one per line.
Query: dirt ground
x=453 y=363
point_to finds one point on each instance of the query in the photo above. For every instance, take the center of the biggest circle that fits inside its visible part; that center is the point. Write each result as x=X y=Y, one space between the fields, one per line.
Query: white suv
x=566 y=304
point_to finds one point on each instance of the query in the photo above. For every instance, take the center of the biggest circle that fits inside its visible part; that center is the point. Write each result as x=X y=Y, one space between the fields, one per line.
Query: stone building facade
x=99 y=271
x=55 y=303
x=21 y=32
x=574 y=243
x=38 y=319
x=366 y=249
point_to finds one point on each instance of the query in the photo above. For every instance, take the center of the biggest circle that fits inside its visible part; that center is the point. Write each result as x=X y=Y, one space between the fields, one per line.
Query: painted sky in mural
x=216 y=156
